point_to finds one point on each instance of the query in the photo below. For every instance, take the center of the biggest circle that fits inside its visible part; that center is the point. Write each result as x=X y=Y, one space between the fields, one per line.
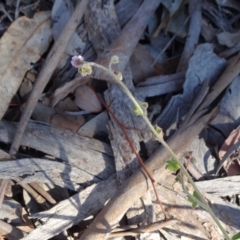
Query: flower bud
x=77 y=61
x=85 y=69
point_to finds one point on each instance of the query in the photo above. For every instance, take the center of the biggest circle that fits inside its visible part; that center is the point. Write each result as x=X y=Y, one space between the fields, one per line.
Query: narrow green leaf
x=236 y=236
x=137 y=111
x=194 y=203
x=172 y=165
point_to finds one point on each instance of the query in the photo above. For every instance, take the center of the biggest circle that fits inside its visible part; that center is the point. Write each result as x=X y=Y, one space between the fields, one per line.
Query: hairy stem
x=159 y=138
x=123 y=128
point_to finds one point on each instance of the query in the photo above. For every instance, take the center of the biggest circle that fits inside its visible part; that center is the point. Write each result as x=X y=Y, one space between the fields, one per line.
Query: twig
x=121 y=232
x=39 y=199
x=17 y=9
x=193 y=34
x=230 y=51
x=227 y=155
x=3 y=187
x=5 y=12
x=32 y=6
x=170 y=42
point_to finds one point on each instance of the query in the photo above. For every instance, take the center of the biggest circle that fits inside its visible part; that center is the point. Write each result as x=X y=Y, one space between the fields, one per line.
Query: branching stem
x=158 y=137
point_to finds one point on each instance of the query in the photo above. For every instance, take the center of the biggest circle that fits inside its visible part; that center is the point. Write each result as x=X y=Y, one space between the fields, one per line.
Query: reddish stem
x=123 y=128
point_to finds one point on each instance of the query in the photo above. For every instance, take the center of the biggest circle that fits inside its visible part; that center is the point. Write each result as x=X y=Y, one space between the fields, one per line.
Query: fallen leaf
x=72 y=123
x=22 y=44
x=228 y=39
x=234 y=168
x=86 y=99
x=97 y=125
x=178 y=24
x=172 y=6
x=27 y=84
x=229 y=3
x=228 y=117
x=175 y=24
x=203 y=65
x=12 y=212
x=204 y=161
x=61 y=12
x=207 y=30
x=66 y=105
x=141 y=64
x=43 y=113
x=64 y=90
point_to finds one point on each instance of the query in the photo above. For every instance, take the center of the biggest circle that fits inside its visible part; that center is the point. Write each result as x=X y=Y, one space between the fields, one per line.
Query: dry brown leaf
x=27 y=84
x=43 y=113
x=141 y=64
x=228 y=39
x=72 y=123
x=24 y=43
x=233 y=138
x=63 y=120
x=26 y=87
x=66 y=105
x=86 y=99
x=97 y=125
x=64 y=90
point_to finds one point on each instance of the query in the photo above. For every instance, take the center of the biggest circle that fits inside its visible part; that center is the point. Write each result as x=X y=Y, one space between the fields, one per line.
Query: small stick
x=17 y=9
x=3 y=187
x=45 y=194
x=170 y=42
x=5 y=12
x=39 y=199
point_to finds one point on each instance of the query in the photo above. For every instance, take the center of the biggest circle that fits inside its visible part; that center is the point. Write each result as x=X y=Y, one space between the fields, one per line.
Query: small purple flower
x=77 y=61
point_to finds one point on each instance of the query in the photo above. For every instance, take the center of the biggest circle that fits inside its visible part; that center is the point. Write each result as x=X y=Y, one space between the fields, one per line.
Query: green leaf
x=194 y=203
x=137 y=111
x=172 y=165
x=236 y=236
x=159 y=131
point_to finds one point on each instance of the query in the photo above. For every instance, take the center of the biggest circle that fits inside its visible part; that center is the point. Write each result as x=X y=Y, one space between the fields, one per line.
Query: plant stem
x=203 y=204
x=121 y=84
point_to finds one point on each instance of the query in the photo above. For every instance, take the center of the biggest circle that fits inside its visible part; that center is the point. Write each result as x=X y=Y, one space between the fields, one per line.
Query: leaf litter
x=174 y=59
